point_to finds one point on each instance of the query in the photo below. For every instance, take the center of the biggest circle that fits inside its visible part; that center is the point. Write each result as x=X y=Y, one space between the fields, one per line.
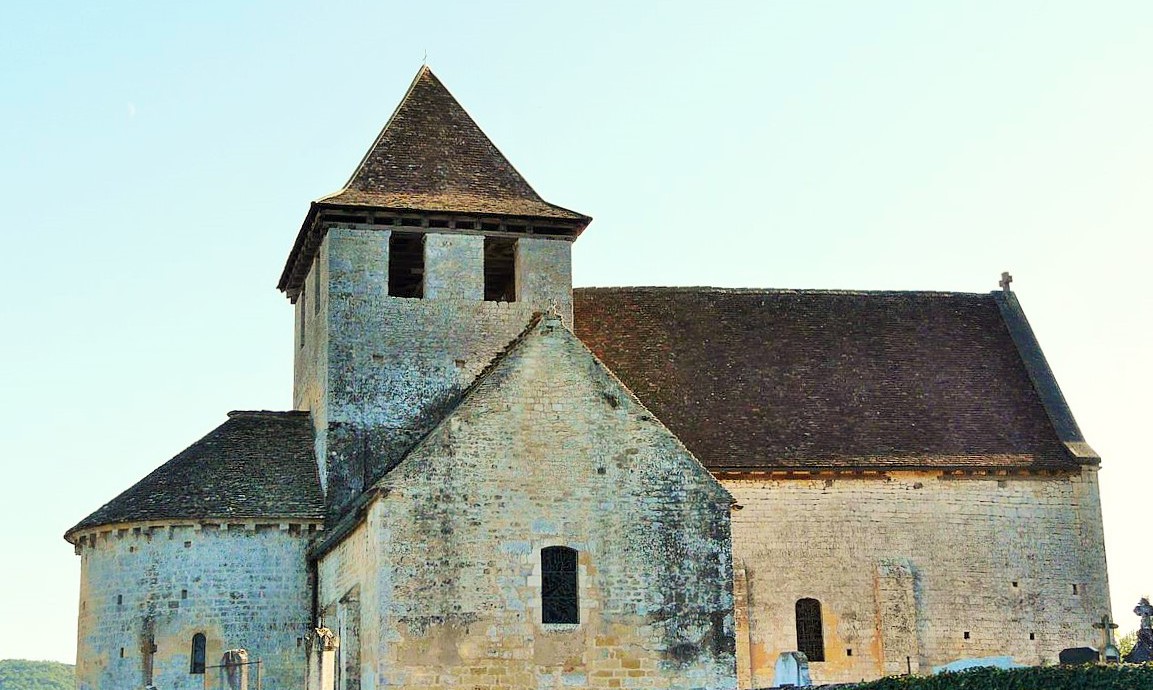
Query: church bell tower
x=407 y=282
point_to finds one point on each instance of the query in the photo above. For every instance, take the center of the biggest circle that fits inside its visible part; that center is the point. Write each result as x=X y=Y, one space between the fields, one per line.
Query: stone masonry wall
x=920 y=565
x=548 y=450
x=391 y=366
x=310 y=345
x=243 y=586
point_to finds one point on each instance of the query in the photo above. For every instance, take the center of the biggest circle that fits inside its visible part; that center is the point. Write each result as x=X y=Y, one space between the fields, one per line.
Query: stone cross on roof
x=1006 y=278
x=1145 y=610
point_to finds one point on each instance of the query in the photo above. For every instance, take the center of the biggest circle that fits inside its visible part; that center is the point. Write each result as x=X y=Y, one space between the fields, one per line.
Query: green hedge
x=1089 y=677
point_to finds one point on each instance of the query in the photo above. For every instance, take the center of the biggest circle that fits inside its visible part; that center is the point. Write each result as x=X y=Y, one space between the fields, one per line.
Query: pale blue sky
x=156 y=160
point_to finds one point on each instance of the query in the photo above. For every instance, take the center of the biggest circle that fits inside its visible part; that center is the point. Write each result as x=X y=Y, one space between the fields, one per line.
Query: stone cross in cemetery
x=1143 y=650
x=1109 y=651
x=1145 y=610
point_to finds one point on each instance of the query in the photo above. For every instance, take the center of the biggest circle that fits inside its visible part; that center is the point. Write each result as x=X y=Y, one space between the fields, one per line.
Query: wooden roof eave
x=311 y=234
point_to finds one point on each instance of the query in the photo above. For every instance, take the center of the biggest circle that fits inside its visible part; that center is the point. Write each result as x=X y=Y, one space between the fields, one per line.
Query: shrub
x=1088 y=677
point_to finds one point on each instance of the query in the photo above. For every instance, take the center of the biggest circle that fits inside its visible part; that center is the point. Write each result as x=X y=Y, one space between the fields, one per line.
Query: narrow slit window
x=303 y=316
x=810 y=635
x=199 y=649
x=559 y=596
x=316 y=288
x=500 y=269
x=406 y=264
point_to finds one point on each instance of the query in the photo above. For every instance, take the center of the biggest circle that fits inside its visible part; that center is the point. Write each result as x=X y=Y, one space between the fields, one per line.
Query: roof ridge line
x=1042 y=378
x=533 y=322
x=265 y=413
x=769 y=290
x=368 y=154
x=354 y=512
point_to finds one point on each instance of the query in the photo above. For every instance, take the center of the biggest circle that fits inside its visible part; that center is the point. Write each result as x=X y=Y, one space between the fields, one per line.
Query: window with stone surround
x=559 y=596
x=199 y=648
x=500 y=269
x=406 y=264
x=810 y=635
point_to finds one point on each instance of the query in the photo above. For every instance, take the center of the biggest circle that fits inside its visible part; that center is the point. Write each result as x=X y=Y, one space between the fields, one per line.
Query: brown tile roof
x=828 y=379
x=255 y=465
x=448 y=202
x=430 y=157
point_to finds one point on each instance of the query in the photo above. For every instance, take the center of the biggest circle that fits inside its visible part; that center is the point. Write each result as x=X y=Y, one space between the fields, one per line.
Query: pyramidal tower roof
x=431 y=157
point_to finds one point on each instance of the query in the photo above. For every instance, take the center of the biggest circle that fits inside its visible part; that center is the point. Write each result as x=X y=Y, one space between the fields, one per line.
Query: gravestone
x=978 y=662
x=235 y=668
x=1075 y=656
x=1143 y=650
x=792 y=670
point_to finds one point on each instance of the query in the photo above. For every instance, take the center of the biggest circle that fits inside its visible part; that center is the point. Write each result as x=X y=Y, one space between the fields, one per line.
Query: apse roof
x=809 y=379
x=255 y=465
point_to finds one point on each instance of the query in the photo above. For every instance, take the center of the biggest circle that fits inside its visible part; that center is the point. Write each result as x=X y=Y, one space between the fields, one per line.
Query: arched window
x=199 y=646
x=810 y=636
x=559 y=597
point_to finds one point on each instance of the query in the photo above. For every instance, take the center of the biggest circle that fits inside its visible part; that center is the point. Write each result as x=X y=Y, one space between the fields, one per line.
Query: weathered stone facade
x=548 y=449
x=147 y=589
x=378 y=371
x=918 y=569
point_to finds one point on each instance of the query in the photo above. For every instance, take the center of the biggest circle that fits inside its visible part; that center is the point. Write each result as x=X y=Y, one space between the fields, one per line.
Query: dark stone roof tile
x=432 y=149
x=255 y=465
x=430 y=157
x=828 y=379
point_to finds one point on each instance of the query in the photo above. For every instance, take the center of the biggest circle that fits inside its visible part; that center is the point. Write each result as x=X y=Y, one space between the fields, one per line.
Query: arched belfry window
x=810 y=636
x=199 y=647
x=559 y=597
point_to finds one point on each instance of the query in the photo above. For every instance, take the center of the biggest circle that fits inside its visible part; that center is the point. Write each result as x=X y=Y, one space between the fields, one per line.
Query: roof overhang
x=323 y=215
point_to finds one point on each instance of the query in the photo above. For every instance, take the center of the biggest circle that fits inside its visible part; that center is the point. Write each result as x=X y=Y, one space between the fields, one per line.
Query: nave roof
x=806 y=379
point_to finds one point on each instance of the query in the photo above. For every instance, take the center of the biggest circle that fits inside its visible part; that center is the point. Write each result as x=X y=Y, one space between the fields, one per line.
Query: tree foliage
x=1087 y=677
x=21 y=674
x=1126 y=643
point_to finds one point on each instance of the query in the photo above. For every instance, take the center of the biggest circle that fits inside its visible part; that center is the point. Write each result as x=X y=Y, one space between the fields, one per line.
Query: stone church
x=491 y=480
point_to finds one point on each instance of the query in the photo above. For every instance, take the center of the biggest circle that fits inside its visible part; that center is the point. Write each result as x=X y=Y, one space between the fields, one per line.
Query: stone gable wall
x=379 y=371
x=243 y=586
x=905 y=563
x=547 y=450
